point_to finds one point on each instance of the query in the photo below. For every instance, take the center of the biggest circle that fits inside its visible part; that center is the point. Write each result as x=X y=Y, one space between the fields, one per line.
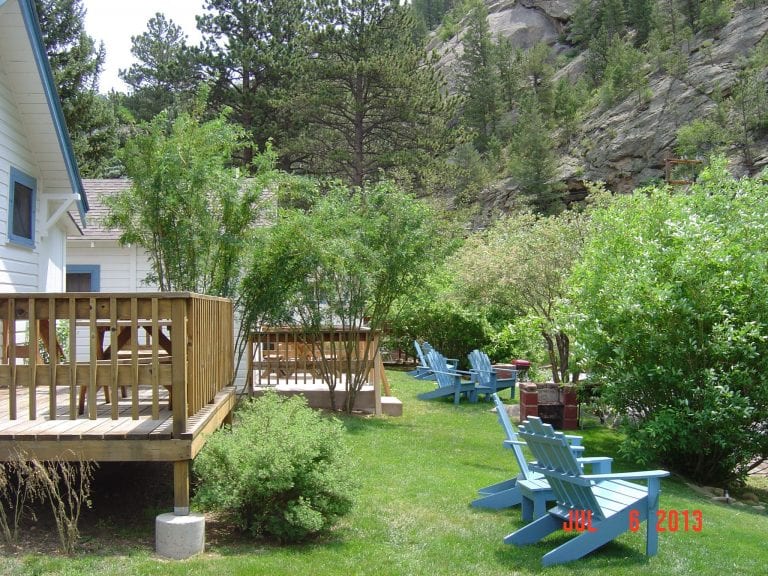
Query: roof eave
x=31 y=23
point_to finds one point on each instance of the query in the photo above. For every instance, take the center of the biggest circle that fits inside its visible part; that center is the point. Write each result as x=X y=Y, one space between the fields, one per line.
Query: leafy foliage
x=282 y=471
x=520 y=265
x=342 y=263
x=670 y=310
x=186 y=207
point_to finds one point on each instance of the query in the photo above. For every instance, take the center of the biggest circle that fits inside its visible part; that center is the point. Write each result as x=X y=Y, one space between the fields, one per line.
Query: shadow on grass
x=528 y=559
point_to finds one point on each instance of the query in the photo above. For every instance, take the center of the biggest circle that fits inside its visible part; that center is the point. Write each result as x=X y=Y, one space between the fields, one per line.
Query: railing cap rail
x=162 y=295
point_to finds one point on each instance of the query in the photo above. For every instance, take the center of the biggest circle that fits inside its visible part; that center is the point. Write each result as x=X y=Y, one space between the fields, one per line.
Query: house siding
x=19 y=266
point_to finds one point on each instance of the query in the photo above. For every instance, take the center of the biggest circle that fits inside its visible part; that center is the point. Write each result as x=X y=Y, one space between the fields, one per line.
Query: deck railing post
x=179 y=365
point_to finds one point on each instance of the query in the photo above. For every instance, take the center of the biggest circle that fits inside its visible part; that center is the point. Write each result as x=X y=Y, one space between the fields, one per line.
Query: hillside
x=625 y=143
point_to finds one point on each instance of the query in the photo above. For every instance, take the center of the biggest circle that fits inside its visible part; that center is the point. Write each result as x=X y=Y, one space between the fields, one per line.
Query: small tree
x=342 y=263
x=669 y=303
x=521 y=264
x=186 y=207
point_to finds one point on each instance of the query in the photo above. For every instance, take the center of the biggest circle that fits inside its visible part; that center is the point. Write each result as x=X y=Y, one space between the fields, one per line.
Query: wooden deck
x=105 y=439
x=63 y=354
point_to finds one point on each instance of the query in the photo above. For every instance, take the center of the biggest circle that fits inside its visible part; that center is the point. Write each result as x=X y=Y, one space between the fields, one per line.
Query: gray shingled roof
x=97 y=190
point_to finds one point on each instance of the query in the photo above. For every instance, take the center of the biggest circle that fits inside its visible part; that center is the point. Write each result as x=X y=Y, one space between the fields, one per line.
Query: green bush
x=671 y=307
x=452 y=329
x=521 y=338
x=282 y=472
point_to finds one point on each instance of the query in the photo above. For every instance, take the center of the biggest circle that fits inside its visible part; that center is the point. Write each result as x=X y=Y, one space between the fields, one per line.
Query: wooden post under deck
x=181 y=487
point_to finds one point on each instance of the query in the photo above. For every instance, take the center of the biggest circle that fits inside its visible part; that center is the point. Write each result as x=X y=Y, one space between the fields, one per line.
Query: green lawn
x=417 y=475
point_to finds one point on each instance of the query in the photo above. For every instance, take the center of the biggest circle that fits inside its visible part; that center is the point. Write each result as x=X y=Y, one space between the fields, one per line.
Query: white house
x=96 y=262
x=39 y=179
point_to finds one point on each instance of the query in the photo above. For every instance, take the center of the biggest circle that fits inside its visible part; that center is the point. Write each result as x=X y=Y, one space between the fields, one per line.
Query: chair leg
x=535 y=531
x=586 y=542
x=539 y=504
x=498 y=500
x=526 y=508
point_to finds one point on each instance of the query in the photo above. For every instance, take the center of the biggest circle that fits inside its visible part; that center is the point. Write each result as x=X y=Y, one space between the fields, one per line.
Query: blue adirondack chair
x=423 y=371
x=449 y=382
x=536 y=491
x=487 y=376
x=605 y=500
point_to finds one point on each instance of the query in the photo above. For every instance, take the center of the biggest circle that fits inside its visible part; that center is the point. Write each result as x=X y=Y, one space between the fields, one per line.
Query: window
x=81 y=278
x=21 y=215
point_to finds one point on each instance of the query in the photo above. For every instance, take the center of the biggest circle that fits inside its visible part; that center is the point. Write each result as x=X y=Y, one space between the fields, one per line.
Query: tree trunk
x=564 y=351
x=553 y=359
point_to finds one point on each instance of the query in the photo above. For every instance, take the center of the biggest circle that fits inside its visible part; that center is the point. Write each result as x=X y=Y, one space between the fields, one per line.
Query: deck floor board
x=83 y=428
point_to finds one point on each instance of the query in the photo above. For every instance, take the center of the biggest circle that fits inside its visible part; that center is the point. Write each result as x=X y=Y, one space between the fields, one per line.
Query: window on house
x=82 y=278
x=21 y=213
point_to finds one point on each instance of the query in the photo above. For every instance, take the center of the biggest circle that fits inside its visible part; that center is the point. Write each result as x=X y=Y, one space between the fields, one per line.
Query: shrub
x=521 y=338
x=282 y=472
x=671 y=308
x=452 y=329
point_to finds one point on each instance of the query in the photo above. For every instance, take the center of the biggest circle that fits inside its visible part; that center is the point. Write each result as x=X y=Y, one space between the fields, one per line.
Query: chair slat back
x=481 y=364
x=420 y=353
x=439 y=365
x=556 y=461
x=509 y=430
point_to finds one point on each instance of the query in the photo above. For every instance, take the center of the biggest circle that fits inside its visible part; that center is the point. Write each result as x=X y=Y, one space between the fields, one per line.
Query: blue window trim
x=93 y=269
x=19 y=177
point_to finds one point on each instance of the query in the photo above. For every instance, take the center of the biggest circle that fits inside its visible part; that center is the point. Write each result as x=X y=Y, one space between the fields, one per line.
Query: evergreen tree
x=477 y=77
x=534 y=164
x=251 y=53
x=431 y=12
x=509 y=69
x=640 y=17
x=538 y=76
x=613 y=17
x=166 y=72
x=583 y=23
x=76 y=63
x=370 y=99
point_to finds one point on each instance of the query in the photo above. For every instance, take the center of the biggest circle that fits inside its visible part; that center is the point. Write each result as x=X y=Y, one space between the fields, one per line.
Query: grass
x=417 y=475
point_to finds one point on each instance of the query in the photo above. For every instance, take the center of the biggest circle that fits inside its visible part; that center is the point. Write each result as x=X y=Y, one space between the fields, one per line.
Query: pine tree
x=251 y=54
x=369 y=98
x=509 y=69
x=166 y=72
x=477 y=77
x=76 y=63
x=534 y=164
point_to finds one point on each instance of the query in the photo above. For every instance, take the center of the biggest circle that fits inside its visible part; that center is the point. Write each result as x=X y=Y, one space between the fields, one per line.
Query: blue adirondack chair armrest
x=644 y=475
x=476 y=376
x=457 y=373
x=599 y=464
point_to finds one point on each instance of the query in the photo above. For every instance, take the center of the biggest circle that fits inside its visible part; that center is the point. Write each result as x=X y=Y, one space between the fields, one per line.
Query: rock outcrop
x=627 y=144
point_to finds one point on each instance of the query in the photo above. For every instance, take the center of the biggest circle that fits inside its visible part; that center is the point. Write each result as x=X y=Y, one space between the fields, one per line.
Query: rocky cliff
x=627 y=144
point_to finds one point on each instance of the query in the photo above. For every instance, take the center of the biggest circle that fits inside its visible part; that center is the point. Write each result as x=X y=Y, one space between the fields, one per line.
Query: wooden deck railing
x=288 y=355
x=178 y=341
